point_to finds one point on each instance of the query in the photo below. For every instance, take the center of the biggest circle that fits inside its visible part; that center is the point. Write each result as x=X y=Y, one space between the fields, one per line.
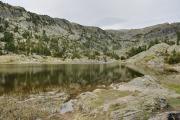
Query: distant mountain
x=23 y=32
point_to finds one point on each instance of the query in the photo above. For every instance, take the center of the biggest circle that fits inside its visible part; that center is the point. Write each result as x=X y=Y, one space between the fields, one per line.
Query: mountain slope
x=42 y=34
x=163 y=33
x=23 y=32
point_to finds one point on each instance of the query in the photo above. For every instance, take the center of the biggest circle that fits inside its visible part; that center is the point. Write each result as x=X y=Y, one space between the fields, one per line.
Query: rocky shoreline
x=155 y=96
x=37 y=59
x=140 y=98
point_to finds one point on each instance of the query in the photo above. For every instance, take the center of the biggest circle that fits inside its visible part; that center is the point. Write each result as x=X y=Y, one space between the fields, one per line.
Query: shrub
x=92 y=56
x=1 y=20
x=42 y=49
x=171 y=43
x=152 y=43
x=6 y=24
x=35 y=19
x=123 y=58
x=76 y=55
x=37 y=36
x=1 y=53
x=135 y=50
x=9 y=46
x=167 y=41
x=44 y=36
x=26 y=34
x=112 y=55
x=1 y=28
x=173 y=58
x=96 y=53
x=16 y=29
x=115 y=56
x=8 y=37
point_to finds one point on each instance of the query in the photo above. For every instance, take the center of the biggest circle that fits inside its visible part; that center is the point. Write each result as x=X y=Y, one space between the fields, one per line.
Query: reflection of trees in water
x=64 y=76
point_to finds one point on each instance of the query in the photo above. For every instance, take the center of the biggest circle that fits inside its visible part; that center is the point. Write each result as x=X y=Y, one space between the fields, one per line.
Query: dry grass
x=39 y=106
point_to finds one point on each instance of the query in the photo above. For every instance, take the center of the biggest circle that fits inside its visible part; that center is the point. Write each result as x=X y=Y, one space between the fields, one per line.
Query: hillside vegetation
x=23 y=32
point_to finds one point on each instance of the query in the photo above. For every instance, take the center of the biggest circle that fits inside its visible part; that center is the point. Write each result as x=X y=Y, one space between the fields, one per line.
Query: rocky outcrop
x=134 y=100
x=157 y=57
x=153 y=56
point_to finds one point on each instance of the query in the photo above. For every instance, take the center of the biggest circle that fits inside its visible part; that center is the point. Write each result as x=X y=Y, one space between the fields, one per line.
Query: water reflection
x=33 y=78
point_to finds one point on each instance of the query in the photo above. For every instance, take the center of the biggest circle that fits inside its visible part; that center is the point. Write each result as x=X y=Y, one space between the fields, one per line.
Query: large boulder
x=145 y=82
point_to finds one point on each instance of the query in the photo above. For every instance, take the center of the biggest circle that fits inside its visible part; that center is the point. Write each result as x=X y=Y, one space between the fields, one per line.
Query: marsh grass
x=108 y=95
x=173 y=86
x=175 y=103
x=117 y=106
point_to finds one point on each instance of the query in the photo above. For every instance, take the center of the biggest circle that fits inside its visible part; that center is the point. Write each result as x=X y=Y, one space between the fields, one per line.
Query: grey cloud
x=109 y=21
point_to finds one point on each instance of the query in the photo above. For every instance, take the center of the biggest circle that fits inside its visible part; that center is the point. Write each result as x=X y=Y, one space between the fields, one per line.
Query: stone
x=127 y=115
x=67 y=107
x=171 y=115
x=144 y=82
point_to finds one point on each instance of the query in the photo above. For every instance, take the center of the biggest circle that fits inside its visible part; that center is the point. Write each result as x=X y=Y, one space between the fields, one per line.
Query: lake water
x=73 y=78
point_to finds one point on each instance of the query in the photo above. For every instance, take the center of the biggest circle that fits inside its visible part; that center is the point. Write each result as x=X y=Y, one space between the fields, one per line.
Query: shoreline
x=153 y=91
x=22 y=59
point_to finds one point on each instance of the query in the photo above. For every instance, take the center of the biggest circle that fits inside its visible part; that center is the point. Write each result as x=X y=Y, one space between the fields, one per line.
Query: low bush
x=152 y=43
x=8 y=37
x=26 y=34
x=135 y=50
x=123 y=58
x=76 y=55
x=16 y=29
x=174 y=58
x=1 y=28
x=6 y=24
x=10 y=47
x=112 y=55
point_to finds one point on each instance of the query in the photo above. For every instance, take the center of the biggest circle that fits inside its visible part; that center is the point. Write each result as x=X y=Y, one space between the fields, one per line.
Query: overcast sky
x=107 y=14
